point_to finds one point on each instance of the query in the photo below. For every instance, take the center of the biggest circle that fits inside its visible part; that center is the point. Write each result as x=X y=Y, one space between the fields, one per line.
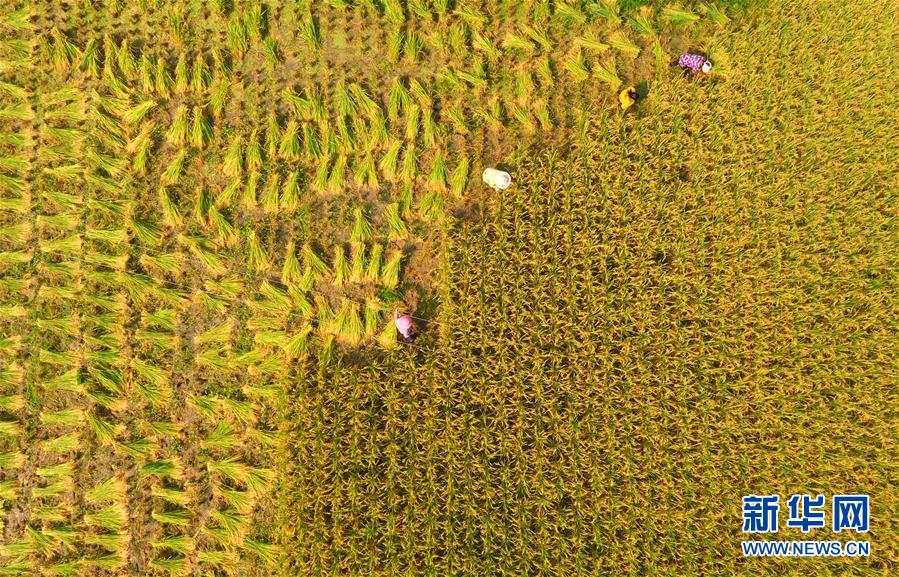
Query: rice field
x=209 y=212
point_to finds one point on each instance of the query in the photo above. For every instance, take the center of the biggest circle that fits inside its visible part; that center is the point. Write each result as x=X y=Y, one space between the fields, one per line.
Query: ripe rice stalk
x=398 y=100
x=145 y=72
x=270 y=193
x=272 y=137
x=17 y=19
x=178 y=517
x=253 y=153
x=410 y=164
x=125 y=60
x=570 y=15
x=308 y=31
x=267 y=552
x=420 y=94
x=199 y=78
x=20 y=111
x=677 y=14
x=341 y=267
x=63 y=443
x=518 y=43
x=290 y=193
x=62 y=470
x=437 y=178
x=432 y=206
x=642 y=21
x=178 y=130
x=112 y=489
x=366 y=174
x=16 y=233
x=411 y=46
x=257 y=257
x=373 y=314
x=180 y=544
x=390 y=273
x=14 y=90
x=608 y=72
x=201 y=130
x=396 y=228
x=162 y=82
x=619 y=40
x=387 y=338
x=714 y=13
x=182 y=76
x=148 y=234
x=523 y=117
x=112 y=542
x=137 y=113
x=314 y=263
x=226 y=197
x=12 y=460
x=139 y=449
x=485 y=46
x=43 y=544
x=389 y=160
x=290 y=147
x=9 y=490
x=248 y=198
x=113 y=517
x=58 y=487
x=218 y=97
x=348 y=325
x=18 y=549
x=538 y=35
x=337 y=176
x=62 y=52
x=256 y=479
x=576 y=66
x=362 y=230
x=165 y=469
x=64 y=418
x=373 y=269
x=175 y=566
x=172 y=173
x=357 y=263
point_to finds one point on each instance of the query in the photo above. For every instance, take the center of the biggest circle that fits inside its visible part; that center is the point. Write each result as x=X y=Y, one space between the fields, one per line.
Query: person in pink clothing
x=405 y=326
x=696 y=64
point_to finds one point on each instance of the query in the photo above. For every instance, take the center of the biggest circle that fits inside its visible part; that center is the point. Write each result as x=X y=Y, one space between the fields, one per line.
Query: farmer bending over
x=405 y=326
x=628 y=97
x=694 y=63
